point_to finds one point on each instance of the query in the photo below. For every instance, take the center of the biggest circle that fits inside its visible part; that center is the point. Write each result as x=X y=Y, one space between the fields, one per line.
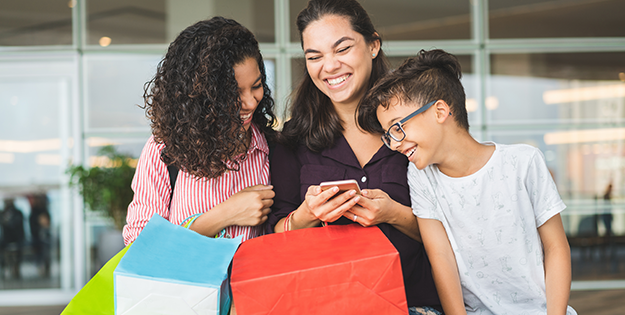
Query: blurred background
x=546 y=73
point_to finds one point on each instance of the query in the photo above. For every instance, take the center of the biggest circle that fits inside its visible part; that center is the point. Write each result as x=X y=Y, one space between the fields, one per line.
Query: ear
x=443 y=111
x=375 y=46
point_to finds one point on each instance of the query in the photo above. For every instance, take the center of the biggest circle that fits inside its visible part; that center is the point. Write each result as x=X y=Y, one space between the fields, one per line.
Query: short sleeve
x=542 y=190
x=424 y=202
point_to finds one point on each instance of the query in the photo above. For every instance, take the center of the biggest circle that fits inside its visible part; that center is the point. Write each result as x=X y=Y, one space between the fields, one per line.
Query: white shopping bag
x=173 y=270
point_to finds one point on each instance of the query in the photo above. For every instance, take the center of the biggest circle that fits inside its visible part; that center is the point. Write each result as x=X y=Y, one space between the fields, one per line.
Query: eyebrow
x=258 y=79
x=338 y=42
x=394 y=121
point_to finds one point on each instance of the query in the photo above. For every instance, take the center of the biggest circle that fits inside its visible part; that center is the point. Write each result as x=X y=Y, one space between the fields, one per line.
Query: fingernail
x=352 y=192
x=335 y=189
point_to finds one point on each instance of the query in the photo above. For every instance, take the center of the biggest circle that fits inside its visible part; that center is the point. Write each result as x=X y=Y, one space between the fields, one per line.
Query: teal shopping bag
x=96 y=297
x=173 y=270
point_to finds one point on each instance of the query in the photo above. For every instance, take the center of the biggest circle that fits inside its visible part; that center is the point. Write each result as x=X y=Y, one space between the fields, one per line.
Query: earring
x=373 y=55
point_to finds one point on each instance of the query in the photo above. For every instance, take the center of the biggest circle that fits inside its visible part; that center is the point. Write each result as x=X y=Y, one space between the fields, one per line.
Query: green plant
x=106 y=188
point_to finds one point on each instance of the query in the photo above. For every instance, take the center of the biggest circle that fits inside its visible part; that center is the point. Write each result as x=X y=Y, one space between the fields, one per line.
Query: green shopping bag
x=97 y=296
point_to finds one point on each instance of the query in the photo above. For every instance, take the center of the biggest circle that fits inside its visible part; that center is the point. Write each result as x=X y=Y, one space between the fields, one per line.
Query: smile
x=410 y=152
x=244 y=118
x=338 y=80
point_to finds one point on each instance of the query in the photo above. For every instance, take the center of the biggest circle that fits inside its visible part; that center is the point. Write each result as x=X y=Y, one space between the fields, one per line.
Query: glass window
x=566 y=18
x=33 y=156
x=589 y=174
x=408 y=20
x=101 y=237
x=36 y=22
x=115 y=90
x=557 y=88
x=114 y=22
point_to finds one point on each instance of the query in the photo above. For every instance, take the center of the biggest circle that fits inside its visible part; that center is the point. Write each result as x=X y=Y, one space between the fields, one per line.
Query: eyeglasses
x=396 y=131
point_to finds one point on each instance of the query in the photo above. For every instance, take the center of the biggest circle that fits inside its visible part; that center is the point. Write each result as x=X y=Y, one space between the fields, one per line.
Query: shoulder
x=519 y=153
x=152 y=148
x=518 y=148
x=151 y=155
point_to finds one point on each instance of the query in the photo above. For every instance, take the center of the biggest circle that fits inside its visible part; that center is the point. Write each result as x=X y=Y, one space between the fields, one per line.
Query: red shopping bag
x=338 y=269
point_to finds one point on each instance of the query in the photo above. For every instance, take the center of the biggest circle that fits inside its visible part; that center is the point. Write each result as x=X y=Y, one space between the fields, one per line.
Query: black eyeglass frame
x=386 y=138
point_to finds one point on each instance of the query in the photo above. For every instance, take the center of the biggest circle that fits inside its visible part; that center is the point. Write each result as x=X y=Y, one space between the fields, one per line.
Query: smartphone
x=343 y=185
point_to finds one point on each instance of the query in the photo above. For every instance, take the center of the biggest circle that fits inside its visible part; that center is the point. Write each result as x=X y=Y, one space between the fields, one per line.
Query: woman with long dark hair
x=211 y=111
x=322 y=141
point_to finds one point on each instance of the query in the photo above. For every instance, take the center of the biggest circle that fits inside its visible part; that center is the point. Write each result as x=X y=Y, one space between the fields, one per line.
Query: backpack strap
x=173 y=175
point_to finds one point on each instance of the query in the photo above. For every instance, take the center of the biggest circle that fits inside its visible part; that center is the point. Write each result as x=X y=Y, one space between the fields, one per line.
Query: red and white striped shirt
x=192 y=195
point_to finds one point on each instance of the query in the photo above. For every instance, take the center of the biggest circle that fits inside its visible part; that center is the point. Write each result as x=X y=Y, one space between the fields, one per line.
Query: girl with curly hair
x=323 y=141
x=211 y=115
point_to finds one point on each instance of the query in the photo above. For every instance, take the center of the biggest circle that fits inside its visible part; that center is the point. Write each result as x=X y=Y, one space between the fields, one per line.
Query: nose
x=248 y=101
x=330 y=64
x=395 y=145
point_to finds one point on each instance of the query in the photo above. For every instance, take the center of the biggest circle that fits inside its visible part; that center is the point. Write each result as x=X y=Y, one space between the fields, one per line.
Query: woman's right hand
x=320 y=204
x=250 y=206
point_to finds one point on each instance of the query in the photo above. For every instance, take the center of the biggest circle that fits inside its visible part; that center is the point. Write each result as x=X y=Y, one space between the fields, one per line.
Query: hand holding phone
x=330 y=206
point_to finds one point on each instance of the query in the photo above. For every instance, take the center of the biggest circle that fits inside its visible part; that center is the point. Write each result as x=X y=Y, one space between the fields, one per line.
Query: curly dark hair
x=193 y=100
x=430 y=75
x=314 y=121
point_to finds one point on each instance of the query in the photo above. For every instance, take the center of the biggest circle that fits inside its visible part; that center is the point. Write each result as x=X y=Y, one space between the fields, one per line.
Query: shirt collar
x=343 y=153
x=258 y=141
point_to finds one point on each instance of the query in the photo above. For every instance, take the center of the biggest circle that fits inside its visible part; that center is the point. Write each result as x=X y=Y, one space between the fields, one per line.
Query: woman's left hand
x=374 y=208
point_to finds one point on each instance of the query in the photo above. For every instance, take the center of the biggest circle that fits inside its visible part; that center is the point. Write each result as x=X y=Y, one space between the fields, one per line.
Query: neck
x=347 y=113
x=464 y=156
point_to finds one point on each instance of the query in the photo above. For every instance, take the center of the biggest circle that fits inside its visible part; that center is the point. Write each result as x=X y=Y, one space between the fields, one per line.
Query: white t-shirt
x=491 y=218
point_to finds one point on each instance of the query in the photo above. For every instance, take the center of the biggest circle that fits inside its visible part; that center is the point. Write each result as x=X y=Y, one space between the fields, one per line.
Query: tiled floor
x=610 y=302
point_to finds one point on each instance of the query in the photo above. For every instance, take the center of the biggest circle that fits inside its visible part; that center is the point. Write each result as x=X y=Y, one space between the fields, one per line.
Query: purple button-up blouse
x=292 y=172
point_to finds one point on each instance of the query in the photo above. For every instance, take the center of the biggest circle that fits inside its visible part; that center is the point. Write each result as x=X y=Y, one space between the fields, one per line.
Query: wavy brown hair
x=314 y=121
x=193 y=100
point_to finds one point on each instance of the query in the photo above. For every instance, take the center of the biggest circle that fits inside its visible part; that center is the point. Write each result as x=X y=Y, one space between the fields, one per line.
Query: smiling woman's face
x=251 y=90
x=338 y=59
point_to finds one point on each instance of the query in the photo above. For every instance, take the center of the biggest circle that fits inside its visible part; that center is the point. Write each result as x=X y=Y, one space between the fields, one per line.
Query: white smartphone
x=343 y=185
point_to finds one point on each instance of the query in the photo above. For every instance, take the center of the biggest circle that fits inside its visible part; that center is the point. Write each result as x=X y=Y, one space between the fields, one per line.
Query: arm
x=152 y=191
x=444 y=268
x=377 y=207
x=557 y=265
x=547 y=205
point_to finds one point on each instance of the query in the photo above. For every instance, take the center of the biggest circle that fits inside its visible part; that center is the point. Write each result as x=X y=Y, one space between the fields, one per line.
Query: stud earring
x=373 y=55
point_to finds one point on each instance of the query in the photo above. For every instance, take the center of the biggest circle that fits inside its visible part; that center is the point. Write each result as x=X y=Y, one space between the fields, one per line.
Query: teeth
x=246 y=117
x=411 y=152
x=338 y=80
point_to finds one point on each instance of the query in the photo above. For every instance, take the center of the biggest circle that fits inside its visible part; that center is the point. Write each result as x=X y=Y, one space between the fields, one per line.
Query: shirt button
x=363 y=179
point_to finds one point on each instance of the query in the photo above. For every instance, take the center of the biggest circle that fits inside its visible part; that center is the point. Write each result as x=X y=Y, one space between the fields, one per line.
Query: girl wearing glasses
x=323 y=142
